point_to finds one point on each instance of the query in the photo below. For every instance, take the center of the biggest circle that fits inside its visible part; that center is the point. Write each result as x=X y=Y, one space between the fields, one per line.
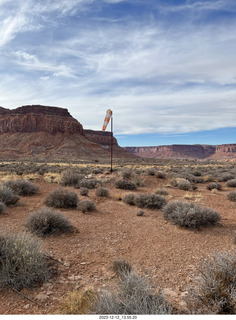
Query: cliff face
x=226 y=151
x=101 y=137
x=51 y=133
x=38 y=118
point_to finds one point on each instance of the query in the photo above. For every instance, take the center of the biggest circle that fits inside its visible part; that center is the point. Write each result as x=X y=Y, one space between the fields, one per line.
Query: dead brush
x=79 y=302
x=214 y=291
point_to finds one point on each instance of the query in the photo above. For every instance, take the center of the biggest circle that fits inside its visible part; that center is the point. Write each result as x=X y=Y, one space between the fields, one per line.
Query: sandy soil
x=166 y=253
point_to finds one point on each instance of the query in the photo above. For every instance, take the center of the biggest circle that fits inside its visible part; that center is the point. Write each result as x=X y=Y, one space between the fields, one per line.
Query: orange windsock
x=107 y=119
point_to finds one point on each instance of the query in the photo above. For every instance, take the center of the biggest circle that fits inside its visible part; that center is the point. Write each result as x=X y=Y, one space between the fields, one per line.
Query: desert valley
x=156 y=235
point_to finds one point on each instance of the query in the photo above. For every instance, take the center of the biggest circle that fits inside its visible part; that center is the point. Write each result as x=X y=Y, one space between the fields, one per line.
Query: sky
x=166 y=68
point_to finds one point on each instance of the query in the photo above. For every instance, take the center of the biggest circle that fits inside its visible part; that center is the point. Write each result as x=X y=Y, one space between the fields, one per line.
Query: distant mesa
x=44 y=132
x=197 y=151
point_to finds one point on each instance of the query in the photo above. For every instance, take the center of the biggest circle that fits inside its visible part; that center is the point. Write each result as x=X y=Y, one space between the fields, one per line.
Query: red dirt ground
x=166 y=253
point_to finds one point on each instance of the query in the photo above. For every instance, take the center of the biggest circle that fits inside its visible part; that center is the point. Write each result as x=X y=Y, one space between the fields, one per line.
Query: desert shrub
x=61 y=198
x=22 y=187
x=78 y=302
x=150 y=201
x=214 y=185
x=89 y=183
x=121 y=267
x=160 y=175
x=84 y=191
x=232 y=196
x=151 y=171
x=183 y=184
x=190 y=215
x=133 y=295
x=226 y=176
x=70 y=178
x=2 y=207
x=97 y=170
x=7 y=196
x=86 y=206
x=126 y=174
x=129 y=199
x=125 y=184
x=214 y=290
x=22 y=263
x=197 y=173
x=231 y=183
x=162 y=192
x=102 y=192
x=46 y=222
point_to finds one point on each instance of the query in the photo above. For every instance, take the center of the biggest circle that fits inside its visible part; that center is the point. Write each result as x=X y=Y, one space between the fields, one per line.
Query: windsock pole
x=111 y=140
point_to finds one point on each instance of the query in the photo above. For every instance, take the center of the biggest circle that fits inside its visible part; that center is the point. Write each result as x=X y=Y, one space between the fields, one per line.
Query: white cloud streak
x=174 y=79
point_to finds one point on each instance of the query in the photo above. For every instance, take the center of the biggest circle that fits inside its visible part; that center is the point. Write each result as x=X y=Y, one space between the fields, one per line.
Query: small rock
x=82 y=263
x=26 y=306
x=71 y=278
x=41 y=297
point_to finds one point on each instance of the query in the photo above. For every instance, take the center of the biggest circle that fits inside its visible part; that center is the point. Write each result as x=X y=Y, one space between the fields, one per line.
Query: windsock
x=107 y=119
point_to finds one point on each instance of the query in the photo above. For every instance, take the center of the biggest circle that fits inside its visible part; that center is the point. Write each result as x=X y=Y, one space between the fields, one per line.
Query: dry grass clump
x=214 y=291
x=22 y=263
x=125 y=184
x=232 y=196
x=79 y=302
x=7 y=196
x=121 y=267
x=86 y=206
x=231 y=183
x=150 y=201
x=162 y=192
x=70 y=178
x=102 y=192
x=22 y=187
x=45 y=222
x=190 y=215
x=62 y=198
x=214 y=185
x=133 y=295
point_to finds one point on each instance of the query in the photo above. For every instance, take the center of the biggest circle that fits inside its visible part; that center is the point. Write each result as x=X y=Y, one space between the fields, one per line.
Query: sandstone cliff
x=51 y=133
x=225 y=151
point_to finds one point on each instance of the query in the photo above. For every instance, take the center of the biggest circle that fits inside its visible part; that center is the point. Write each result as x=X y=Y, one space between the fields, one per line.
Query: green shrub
x=129 y=199
x=22 y=187
x=7 y=196
x=150 y=201
x=232 y=196
x=22 y=263
x=214 y=185
x=86 y=206
x=125 y=184
x=231 y=183
x=61 y=198
x=45 y=222
x=190 y=215
x=214 y=290
x=102 y=192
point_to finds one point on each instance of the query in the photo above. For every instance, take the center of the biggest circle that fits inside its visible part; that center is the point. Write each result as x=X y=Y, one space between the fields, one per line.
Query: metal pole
x=111 y=140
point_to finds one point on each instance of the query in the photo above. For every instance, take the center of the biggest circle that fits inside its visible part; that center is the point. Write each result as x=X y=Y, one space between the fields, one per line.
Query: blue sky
x=166 y=68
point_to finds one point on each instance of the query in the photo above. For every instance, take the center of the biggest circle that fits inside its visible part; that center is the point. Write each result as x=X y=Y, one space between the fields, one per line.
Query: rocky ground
x=167 y=254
